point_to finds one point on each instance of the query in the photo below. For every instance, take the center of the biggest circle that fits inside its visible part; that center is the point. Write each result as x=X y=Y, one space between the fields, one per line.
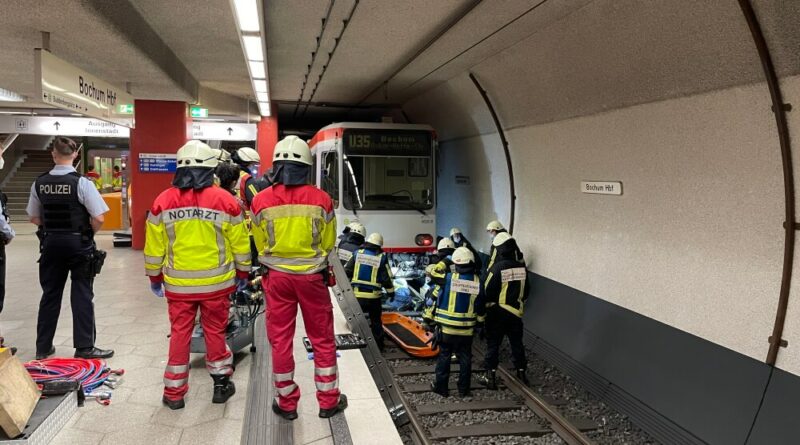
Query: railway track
x=514 y=413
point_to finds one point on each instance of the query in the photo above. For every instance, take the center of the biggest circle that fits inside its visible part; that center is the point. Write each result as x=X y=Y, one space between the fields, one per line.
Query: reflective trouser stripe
x=286 y=390
x=325 y=371
x=177 y=369
x=221 y=367
x=175 y=383
x=282 y=377
x=327 y=386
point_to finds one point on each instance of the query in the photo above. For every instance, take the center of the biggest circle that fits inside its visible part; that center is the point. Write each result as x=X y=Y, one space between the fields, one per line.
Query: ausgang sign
x=62 y=126
x=222 y=131
x=65 y=86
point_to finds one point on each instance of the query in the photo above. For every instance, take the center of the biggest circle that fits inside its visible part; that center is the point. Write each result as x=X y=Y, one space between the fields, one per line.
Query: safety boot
x=523 y=376
x=490 y=379
x=173 y=404
x=223 y=388
x=330 y=412
x=288 y=415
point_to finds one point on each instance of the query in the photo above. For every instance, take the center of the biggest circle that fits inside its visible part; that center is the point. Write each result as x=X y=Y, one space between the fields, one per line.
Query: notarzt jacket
x=369 y=271
x=507 y=286
x=460 y=304
x=294 y=228
x=198 y=240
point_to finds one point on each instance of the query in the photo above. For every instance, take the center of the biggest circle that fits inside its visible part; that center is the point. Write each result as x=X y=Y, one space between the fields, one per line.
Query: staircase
x=18 y=186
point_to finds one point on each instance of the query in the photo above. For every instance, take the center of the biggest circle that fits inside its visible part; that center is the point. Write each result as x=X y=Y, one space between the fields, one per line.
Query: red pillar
x=161 y=127
x=267 y=138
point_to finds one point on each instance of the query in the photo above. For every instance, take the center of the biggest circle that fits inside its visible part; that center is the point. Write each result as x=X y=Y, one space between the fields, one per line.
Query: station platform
x=134 y=323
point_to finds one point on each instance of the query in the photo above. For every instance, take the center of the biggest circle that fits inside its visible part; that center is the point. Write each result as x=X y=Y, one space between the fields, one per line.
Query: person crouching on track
x=369 y=271
x=459 y=311
x=351 y=239
x=196 y=251
x=506 y=290
x=294 y=228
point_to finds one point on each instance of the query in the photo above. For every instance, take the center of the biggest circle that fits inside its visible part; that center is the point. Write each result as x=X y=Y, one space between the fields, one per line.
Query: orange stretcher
x=408 y=334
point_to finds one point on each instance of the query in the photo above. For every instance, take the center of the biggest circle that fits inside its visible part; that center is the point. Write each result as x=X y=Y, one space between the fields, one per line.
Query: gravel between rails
x=458 y=418
x=550 y=439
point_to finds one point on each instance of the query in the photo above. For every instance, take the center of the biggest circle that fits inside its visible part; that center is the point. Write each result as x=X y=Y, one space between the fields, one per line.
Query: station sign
x=601 y=187
x=221 y=131
x=63 y=85
x=158 y=162
x=62 y=126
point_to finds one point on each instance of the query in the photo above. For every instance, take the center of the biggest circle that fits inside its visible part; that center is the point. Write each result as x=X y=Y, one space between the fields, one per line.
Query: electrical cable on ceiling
x=314 y=55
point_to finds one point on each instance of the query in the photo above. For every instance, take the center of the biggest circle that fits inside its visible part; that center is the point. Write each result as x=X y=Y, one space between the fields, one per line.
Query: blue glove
x=429 y=302
x=157 y=289
x=241 y=284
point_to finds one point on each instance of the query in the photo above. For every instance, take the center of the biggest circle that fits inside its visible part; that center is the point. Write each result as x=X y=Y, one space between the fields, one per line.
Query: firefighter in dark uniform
x=459 y=311
x=459 y=240
x=68 y=210
x=369 y=272
x=506 y=289
x=441 y=265
x=351 y=239
x=495 y=228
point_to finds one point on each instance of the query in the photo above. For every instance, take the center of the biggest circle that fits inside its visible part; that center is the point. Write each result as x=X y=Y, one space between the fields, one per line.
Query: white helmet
x=463 y=256
x=445 y=243
x=292 y=148
x=248 y=155
x=454 y=230
x=501 y=238
x=376 y=239
x=495 y=225
x=358 y=228
x=196 y=154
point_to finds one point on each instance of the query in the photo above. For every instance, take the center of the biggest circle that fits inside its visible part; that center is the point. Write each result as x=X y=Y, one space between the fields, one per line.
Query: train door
x=329 y=175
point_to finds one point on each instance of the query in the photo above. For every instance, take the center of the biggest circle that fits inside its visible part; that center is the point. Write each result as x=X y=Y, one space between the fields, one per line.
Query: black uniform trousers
x=501 y=323
x=373 y=309
x=2 y=273
x=461 y=346
x=64 y=254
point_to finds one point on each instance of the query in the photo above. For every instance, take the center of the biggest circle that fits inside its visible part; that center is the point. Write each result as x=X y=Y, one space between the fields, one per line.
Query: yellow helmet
x=463 y=256
x=376 y=239
x=454 y=230
x=445 y=243
x=495 y=225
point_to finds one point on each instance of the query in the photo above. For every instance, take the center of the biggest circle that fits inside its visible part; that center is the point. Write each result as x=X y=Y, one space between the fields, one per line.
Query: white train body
x=383 y=176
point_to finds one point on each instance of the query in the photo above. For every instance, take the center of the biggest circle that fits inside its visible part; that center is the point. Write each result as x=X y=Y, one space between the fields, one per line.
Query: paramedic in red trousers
x=294 y=228
x=196 y=251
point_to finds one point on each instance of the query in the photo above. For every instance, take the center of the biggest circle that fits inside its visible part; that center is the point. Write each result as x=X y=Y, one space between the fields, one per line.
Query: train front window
x=387 y=170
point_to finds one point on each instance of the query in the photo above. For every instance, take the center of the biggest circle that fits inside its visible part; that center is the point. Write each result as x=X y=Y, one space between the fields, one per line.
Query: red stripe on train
x=409 y=249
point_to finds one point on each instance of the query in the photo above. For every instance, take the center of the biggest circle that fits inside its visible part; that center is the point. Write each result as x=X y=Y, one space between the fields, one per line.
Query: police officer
x=68 y=210
x=351 y=239
x=196 y=248
x=369 y=272
x=295 y=229
x=459 y=310
x=506 y=291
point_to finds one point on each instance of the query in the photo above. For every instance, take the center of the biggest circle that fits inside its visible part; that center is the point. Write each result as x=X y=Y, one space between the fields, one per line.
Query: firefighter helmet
x=196 y=154
x=376 y=239
x=445 y=243
x=463 y=256
x=292 y=148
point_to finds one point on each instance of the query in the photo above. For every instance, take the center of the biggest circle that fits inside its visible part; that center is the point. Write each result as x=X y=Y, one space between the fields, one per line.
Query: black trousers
x=461 y=346
x=373 y=309
x=501 y=323
x=2 y=274
x=63 y=255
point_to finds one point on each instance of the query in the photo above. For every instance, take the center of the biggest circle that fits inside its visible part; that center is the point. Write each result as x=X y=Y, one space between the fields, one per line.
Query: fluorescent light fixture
x=264 y=108
x=247 y=15
x=10 y=96
x=262 y=97
x=260 y=86
x=252 y=48
x=257 y=70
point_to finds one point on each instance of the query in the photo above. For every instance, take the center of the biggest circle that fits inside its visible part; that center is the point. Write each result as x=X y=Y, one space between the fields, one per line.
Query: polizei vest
x=63 y=212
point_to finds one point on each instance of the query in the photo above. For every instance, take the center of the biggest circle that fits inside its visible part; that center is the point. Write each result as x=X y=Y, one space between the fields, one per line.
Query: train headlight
x=424 y=239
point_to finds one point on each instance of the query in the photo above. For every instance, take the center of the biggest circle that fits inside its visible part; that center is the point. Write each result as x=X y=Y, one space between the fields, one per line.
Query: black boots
x=490 y=379
x=522 y=375
x=90 y=353
x=223 y=388
x=173 y=404
x=288 y=415
x=330 y=412
x=43 y=355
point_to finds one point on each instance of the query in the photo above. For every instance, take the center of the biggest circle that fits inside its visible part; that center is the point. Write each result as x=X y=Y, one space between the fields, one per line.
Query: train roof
x=376 y=126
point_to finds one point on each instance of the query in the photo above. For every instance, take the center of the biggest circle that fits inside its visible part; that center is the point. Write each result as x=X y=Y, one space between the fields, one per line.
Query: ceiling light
x=247 y=15
x=264 y=109
x=260 y=86
x=262 y=97
x=257 y=70
x=252 y=48
x=10 y=96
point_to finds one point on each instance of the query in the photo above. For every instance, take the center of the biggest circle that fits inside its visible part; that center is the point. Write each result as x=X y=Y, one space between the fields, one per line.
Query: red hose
x=90 y=372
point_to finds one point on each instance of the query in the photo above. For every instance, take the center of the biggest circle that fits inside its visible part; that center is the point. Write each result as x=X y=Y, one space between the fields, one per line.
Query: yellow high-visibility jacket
x=294 y=228
x=197 y=241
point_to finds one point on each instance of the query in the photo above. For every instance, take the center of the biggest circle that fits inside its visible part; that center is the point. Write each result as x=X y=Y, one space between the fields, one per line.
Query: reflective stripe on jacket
x=506 y=286
x=197 y=239
x=369 y=271
x=294 y=228
x=460 y=304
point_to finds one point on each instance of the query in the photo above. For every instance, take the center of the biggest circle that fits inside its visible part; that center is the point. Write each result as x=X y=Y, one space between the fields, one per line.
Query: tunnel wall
x=667 y=293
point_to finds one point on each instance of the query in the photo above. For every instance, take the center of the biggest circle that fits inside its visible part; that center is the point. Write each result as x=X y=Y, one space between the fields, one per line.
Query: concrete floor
x=134 y=323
